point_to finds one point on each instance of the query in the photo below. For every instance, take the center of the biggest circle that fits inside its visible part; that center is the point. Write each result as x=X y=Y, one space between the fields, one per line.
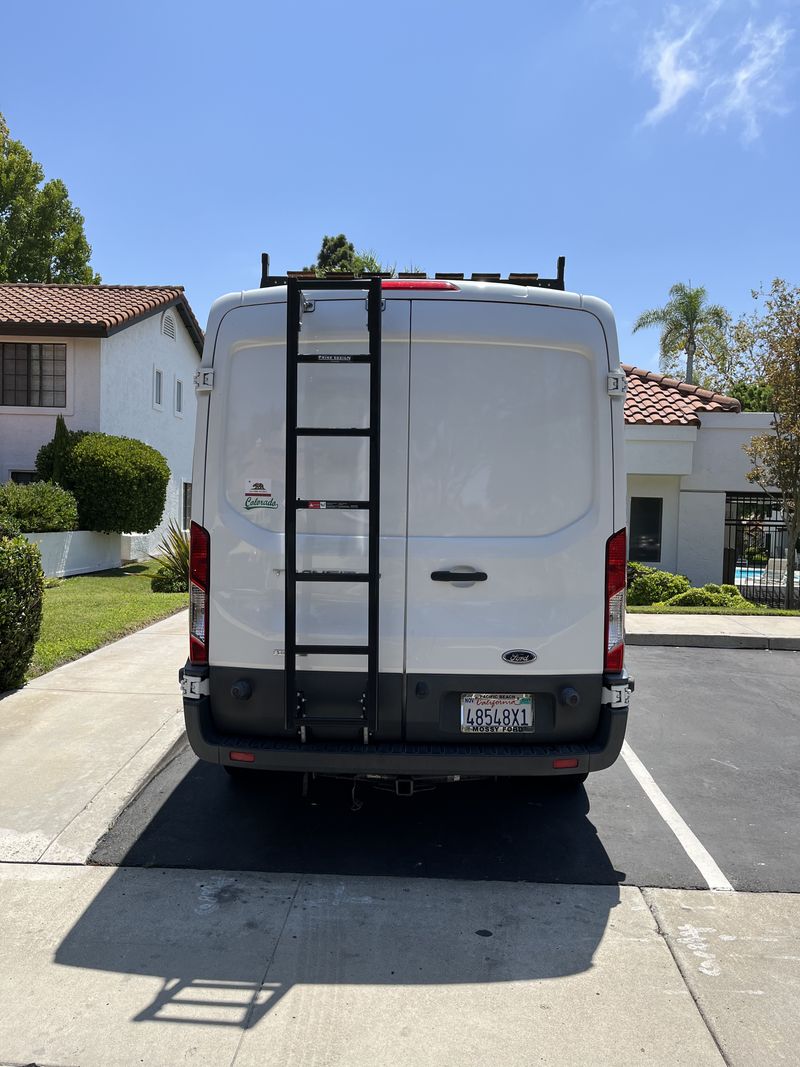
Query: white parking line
x=696 y=852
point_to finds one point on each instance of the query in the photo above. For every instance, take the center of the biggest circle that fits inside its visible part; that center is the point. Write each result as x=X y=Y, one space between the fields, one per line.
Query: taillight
x=417 y=283
x=199 y=545
x=616 y=573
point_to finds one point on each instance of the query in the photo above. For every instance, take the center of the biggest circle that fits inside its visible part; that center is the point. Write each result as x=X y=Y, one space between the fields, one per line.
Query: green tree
x=61 y=450
x=339 y=254
x=41 y=232
x=753 y=396
x=692 y=328
x=776 y=456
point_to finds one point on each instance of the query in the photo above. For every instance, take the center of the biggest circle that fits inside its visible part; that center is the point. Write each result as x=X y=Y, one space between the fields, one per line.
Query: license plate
x=497 y=713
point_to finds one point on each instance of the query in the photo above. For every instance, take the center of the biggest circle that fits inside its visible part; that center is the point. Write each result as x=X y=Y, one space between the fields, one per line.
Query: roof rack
x=268 y=279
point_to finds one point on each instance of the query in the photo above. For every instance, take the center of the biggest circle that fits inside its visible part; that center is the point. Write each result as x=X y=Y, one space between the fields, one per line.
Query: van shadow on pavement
x=325 y=895
x=193 y=816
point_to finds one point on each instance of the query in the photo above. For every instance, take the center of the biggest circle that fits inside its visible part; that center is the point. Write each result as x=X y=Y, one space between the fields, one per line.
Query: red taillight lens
x=416 y=283
x=199 y=544
x=616 y=572
x=563 y=764
x=242 y=757
x=198 y=554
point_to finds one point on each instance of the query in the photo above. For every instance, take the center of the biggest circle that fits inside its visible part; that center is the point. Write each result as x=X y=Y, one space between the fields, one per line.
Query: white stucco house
x=691 y=509
x=119 y=359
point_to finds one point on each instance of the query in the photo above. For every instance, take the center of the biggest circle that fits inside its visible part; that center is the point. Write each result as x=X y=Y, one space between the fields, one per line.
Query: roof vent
x=168 y=325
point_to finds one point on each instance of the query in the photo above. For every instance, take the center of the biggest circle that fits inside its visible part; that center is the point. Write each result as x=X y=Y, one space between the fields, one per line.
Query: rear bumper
x=409 y=759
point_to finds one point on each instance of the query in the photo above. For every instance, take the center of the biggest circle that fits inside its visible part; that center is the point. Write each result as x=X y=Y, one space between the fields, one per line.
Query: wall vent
x=168 y=325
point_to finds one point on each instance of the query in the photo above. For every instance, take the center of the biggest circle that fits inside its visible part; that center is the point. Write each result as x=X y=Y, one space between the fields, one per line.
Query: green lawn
x=81 y=614
x=751 y=609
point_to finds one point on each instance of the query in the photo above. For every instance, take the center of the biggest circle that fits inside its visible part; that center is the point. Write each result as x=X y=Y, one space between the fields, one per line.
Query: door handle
x=459 y=576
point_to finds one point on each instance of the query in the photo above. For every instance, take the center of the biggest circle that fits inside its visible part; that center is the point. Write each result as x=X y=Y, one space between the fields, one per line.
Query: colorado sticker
x=258 y=495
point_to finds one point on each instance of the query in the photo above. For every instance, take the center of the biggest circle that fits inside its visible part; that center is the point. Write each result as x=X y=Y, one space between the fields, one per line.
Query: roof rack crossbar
x=527 y=278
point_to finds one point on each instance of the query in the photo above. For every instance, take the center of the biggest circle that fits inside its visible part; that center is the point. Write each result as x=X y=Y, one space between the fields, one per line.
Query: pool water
x=748 y=574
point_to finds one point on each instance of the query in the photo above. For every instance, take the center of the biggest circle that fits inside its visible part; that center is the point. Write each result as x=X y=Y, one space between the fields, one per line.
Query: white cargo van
x=407 y=543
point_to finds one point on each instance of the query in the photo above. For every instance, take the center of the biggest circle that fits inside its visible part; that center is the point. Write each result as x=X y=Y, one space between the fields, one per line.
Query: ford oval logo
x=519 y=655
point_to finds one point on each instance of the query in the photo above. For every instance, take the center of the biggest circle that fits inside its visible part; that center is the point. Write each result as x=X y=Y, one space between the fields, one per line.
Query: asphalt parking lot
x=718 y=730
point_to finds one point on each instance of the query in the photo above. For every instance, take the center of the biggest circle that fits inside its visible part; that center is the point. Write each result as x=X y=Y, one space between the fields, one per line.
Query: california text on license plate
x=496 y=713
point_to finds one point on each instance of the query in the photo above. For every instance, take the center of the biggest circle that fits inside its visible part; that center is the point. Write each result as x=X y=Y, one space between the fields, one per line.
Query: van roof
x=497 y=292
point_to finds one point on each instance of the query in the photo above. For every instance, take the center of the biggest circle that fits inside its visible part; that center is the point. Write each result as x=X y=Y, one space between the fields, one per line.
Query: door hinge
x=193 y=687
x=204 y=380
x=617 y=383
x=618 y=696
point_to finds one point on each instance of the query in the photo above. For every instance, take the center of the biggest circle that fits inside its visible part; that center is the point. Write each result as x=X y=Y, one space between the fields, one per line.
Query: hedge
x=21 y=590
x=45 y=457
x=647 y=585
x=40 y=507
x=120 y=483
x=709 y=596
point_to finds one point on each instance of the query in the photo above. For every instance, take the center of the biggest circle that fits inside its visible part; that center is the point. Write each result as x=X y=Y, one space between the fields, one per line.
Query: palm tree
x=688 y=323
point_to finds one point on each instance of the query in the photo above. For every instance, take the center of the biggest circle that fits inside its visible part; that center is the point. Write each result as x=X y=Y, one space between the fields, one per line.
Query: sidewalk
x=99 y=965
x=776 y=632
x=77 y=743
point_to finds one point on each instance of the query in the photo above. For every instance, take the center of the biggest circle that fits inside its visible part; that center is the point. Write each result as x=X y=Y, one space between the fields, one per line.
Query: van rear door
x=511 y=475
x=245 y=504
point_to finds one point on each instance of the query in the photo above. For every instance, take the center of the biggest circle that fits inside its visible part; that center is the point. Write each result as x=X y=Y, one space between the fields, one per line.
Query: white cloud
x=673 y=74
x=738 y=71
x=754 y=88
x=673 y=57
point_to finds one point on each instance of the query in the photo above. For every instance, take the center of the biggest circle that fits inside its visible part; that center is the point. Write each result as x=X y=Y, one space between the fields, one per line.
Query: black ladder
x=297 y=717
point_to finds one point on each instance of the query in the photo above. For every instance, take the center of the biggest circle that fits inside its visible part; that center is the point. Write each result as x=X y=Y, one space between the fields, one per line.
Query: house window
x=645 y=529
x=33 y=376
x=187 y=505
x=23 y=477
x=158 y=388
x=178 y=396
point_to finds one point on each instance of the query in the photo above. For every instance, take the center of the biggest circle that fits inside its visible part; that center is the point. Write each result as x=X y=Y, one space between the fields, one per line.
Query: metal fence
x=754 y=557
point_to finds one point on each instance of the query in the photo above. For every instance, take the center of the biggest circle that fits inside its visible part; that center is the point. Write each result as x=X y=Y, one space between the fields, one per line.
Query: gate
x=754 y=558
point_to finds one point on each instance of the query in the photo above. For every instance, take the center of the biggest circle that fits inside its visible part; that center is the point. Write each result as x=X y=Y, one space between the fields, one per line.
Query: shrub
x=172 y=575
x=40 y=507
x=636 y=570
x=757 y=558
x=162 y=583
x=21 y=584
x=120 y=483
x=58 y=453
x=651 y=586
x=710 y=596
x=8 y=526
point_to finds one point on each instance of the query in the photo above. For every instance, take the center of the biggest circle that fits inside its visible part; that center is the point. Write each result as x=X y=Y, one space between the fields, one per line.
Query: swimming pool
x=748 y=574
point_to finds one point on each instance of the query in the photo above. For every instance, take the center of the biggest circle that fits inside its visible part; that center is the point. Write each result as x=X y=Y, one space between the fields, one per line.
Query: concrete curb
x=77 y=841
x=773 y=644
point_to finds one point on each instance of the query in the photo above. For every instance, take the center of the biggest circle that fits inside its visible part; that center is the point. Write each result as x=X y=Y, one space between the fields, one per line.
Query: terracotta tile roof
x=662 y=401
x=88 y=310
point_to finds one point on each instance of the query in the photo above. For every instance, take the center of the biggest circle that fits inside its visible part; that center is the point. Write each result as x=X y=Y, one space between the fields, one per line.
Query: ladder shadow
x=172 y=1004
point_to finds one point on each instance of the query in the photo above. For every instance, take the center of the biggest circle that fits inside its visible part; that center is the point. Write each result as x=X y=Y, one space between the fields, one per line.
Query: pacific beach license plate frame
x=497 y=713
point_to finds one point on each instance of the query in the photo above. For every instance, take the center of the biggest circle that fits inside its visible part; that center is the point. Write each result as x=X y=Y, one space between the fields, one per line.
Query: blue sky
x=647 y=142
